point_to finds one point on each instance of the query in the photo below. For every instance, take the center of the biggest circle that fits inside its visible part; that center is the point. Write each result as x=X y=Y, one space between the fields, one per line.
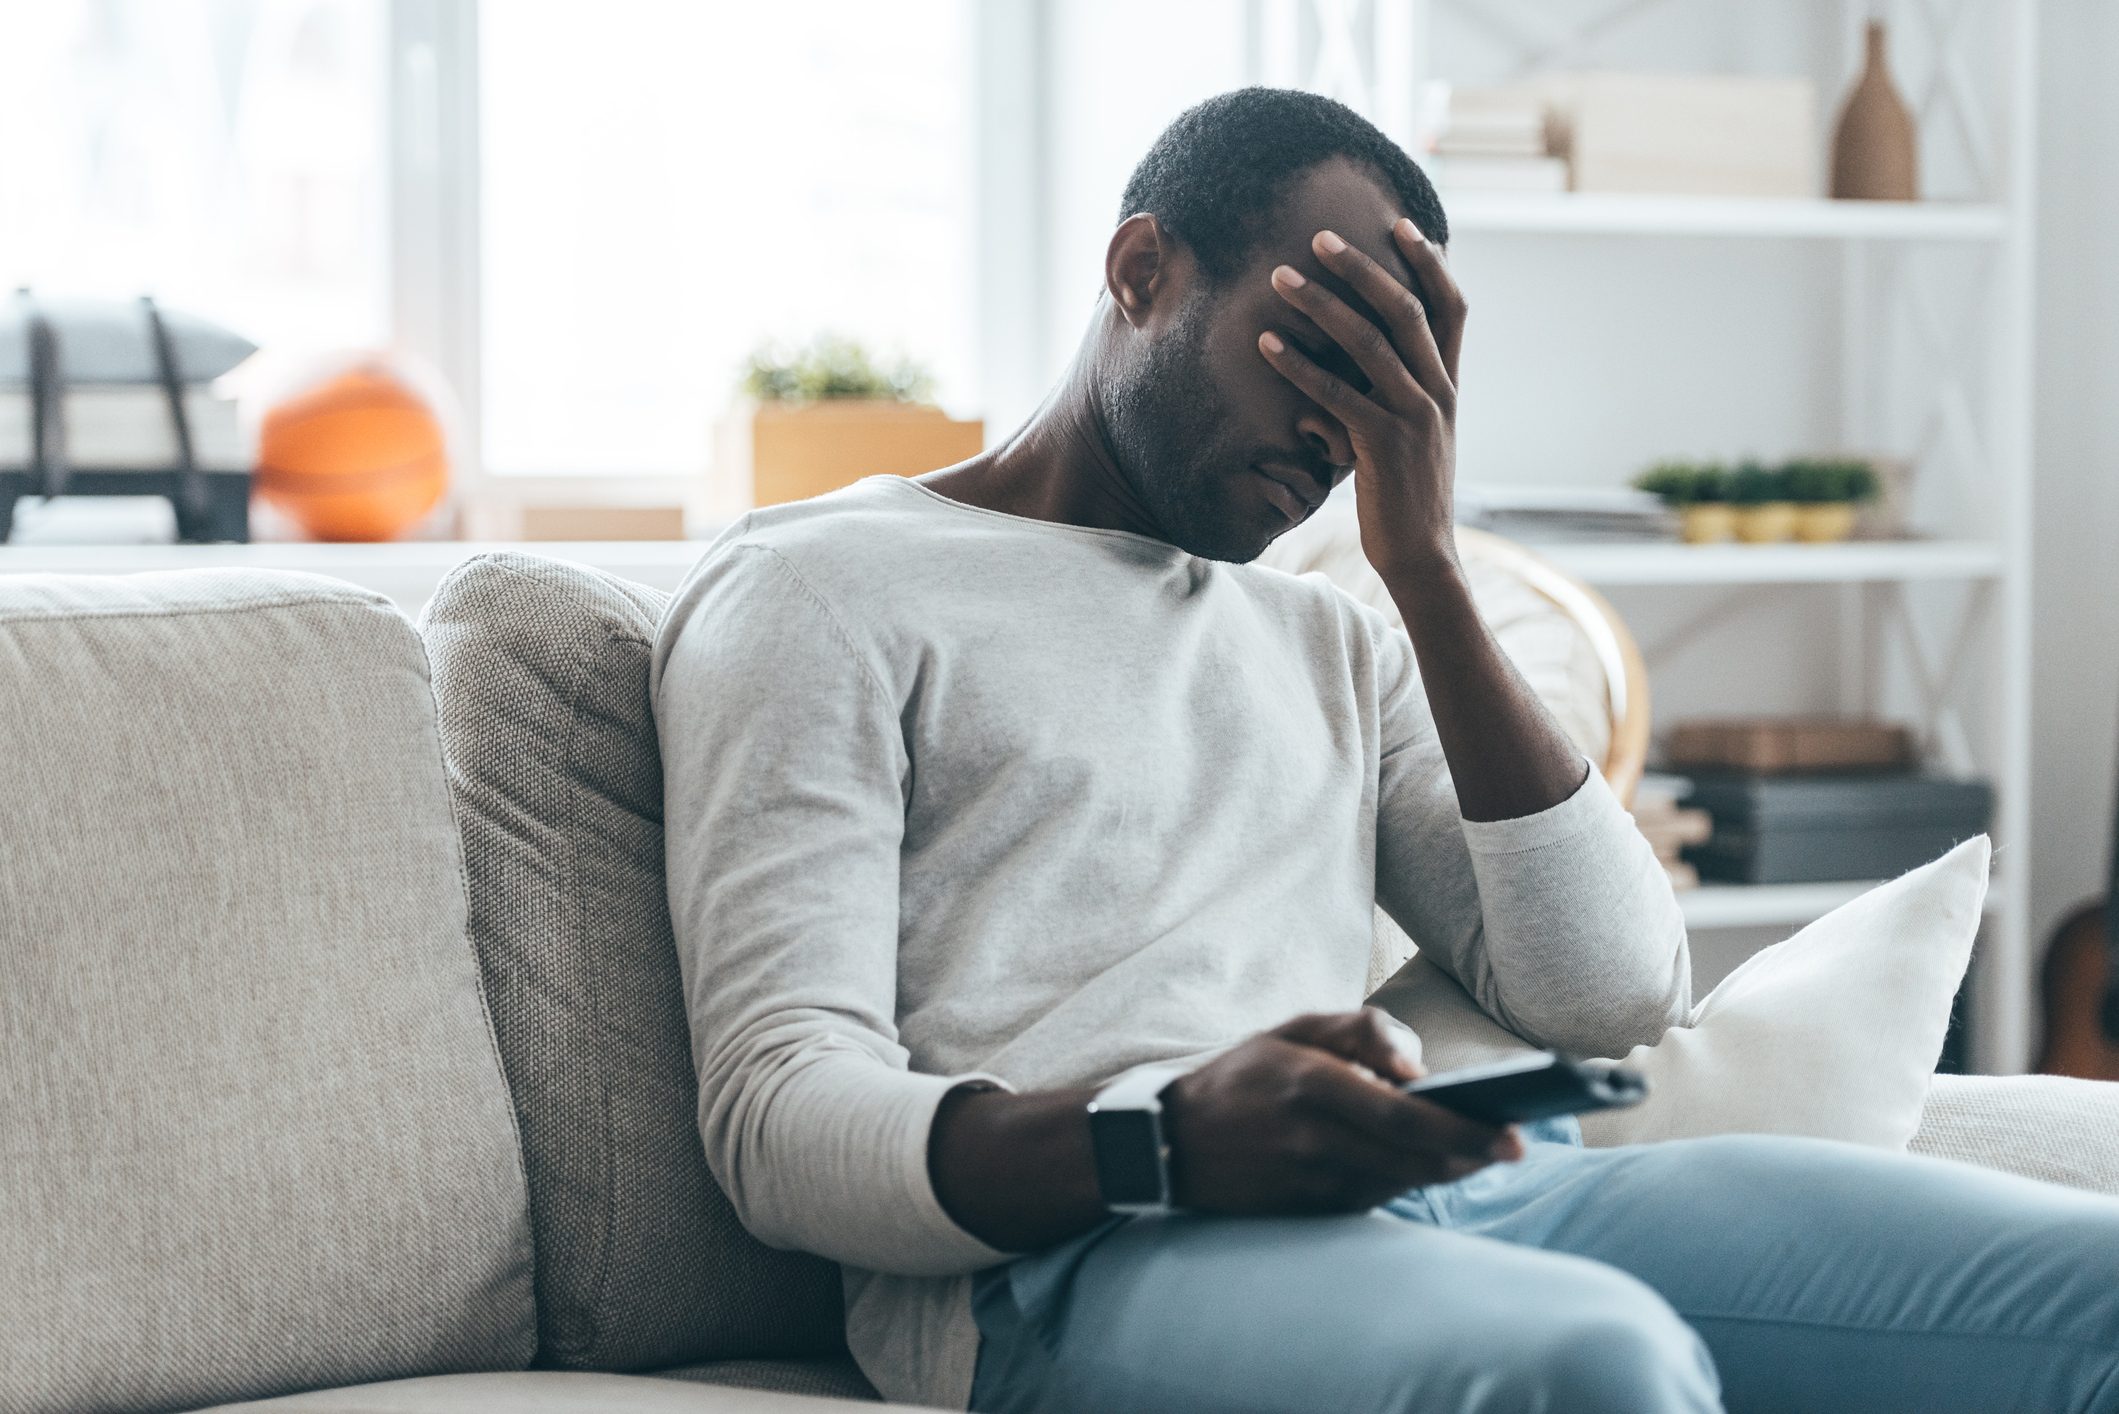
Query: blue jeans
x=1740 y=1272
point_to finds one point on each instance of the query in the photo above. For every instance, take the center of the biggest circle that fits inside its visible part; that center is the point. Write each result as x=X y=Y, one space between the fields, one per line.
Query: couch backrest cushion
x=253 y=1133
x=541 y=669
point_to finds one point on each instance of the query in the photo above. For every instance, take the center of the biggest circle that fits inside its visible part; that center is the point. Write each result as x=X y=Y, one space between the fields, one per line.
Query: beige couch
x=341 y=1041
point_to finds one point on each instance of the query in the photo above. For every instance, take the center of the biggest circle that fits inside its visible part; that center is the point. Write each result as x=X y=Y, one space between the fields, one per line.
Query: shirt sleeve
x=784 y=779
x=1561 y=924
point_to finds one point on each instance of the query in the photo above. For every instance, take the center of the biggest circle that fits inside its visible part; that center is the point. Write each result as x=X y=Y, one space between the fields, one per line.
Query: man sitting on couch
x=1016 y=788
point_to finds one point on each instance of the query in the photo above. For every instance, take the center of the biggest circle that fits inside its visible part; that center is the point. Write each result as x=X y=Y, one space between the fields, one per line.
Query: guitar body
x=2076 y=968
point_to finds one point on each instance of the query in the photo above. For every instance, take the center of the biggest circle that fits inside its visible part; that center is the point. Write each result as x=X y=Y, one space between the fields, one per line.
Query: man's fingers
x=1328 y=390
x=1401 y=309
x=1349 y=1167
x=1367 y=1037
x=1390 y=382
x=1413 y=1124
x=1445 y=302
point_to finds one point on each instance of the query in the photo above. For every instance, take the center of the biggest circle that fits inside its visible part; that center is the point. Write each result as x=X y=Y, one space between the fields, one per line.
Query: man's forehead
x=1336 y=196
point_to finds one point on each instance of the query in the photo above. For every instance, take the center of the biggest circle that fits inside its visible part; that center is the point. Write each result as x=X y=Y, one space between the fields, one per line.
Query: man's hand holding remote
x=1305 y=1118
x=1309 y=1118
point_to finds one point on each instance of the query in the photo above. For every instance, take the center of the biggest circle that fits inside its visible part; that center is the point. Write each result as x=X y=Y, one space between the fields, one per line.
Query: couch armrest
x=2042 y=1126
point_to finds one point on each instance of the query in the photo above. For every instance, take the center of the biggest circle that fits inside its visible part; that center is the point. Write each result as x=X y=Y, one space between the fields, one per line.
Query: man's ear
x=1140 y=267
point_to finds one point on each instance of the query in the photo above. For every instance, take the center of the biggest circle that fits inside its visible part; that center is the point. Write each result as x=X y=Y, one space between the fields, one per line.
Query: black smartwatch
x=1126 y=1135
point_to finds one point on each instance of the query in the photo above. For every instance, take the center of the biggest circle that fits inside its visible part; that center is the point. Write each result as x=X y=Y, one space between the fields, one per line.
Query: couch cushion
x=2052 y=1127
x=546 y=1392
x=541 y=672
x=1833 y=1033
x=255 y=1134
x=837 y=1376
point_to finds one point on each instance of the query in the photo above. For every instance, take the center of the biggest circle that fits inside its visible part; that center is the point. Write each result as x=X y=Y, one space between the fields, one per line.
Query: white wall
x=1120 y=71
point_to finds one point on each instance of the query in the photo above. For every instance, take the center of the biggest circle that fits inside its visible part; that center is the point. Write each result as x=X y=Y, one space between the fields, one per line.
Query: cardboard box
x=601 y=523
x=768 y=453
x=1778 y=745
x=1691 y=134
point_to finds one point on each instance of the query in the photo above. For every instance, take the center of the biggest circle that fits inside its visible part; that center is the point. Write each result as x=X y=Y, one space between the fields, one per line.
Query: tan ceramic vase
x=1874 y=156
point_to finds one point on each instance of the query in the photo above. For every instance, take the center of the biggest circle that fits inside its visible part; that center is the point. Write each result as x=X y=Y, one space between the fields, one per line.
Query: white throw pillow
x=1833 y=1033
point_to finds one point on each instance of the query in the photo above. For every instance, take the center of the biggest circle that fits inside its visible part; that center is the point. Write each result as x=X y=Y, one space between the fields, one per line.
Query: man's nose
x=1324 y=439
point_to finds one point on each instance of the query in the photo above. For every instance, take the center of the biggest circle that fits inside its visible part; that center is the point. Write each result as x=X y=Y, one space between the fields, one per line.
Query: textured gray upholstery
x=838 y=1377
x=255 y=1135
x=541 y=672
x=546 y=1392
x=2042 y=1126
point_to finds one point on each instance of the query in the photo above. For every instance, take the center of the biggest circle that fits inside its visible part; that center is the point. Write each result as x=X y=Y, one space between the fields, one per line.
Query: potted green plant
x=812 y=419
x=1764 y=513
x=1827 y=491
x=1698 y=492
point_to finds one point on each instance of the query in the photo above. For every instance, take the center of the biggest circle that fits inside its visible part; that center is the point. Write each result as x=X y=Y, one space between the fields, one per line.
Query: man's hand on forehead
x=1391 y=330
x=1405 y=347
x=1398 y=270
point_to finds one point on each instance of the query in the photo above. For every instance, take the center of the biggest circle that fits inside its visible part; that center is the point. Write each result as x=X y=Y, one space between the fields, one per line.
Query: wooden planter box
x=768 y=453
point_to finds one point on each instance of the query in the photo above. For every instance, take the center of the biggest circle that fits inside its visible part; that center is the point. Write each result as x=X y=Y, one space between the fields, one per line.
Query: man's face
x=1202 y=425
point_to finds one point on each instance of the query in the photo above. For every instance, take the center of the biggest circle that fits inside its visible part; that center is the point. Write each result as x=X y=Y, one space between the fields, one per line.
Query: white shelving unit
x=1877 y=562
x=1935 y=367
x=1594 y=214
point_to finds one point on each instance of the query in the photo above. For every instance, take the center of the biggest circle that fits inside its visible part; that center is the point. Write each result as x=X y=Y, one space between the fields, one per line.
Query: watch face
x=1128 y=1145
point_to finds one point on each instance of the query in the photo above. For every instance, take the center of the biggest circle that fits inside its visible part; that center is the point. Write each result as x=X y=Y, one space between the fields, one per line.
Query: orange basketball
x=359 y=457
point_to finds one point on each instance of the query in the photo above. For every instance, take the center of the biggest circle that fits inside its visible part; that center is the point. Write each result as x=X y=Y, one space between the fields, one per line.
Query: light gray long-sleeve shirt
x=952 y=793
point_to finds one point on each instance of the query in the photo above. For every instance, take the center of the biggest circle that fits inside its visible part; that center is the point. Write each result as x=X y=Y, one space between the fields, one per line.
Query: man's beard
x=1165 y=424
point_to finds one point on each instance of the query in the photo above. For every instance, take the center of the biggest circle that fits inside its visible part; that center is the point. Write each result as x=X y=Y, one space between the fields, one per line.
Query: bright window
x=667 y=185
x=226 y=156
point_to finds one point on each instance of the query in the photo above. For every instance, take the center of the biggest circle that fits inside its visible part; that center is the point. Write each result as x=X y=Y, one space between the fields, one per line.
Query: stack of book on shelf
x=1803 y=800
x=1495 y=140
x=1669 y=827
x=1565 y=513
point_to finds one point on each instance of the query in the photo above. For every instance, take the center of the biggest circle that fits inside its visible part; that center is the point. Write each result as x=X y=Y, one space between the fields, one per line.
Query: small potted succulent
x=1765 y=514
x=1698 y=492
x=1827 y=491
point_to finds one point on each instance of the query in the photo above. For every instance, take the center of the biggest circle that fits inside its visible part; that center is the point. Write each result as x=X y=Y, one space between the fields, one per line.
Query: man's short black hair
x=1218 y=172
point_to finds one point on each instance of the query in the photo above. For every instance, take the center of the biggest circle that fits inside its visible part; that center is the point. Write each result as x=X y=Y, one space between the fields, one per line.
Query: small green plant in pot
x=811 y=419
x=1699 y=493
x=833 y=366
x=1827 y=493
x=1765 y=514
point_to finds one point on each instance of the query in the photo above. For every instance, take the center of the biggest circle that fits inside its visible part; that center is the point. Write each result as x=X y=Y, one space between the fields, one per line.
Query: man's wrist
x=1432 y=578
x=1015 y=1170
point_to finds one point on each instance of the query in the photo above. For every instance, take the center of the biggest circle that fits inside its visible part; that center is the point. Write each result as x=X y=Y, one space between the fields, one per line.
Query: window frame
x=436 y=274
